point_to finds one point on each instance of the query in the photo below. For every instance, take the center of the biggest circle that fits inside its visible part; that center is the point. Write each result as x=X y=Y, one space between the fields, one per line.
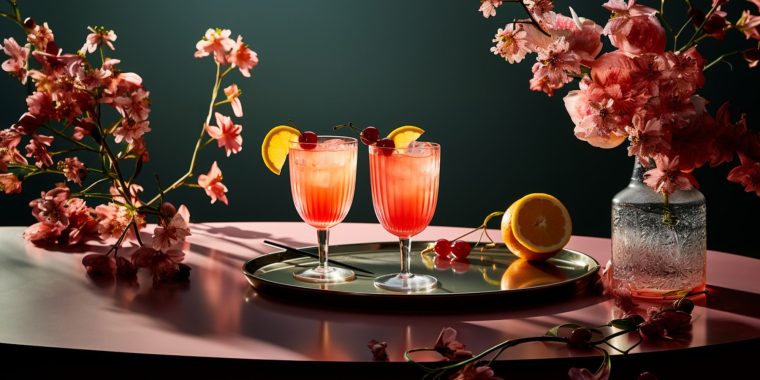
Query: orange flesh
x=541 y=222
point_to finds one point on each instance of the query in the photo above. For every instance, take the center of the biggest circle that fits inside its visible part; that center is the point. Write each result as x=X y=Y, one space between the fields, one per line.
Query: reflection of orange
x=525 y=274
x=536 y=227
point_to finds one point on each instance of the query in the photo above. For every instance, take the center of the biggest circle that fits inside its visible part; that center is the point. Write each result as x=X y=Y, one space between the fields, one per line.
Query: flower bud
x=684 y=304
x=167 y=210
x=29 y=23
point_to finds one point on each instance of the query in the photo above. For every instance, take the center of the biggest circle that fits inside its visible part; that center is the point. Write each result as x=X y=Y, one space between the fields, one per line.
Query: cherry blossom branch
x=721 y=58
x=67 y=138
x=533 y=19
x=198 y=144
x=697 y=32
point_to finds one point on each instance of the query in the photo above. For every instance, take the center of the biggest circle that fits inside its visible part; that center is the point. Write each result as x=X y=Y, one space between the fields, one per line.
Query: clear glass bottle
x=659 y=250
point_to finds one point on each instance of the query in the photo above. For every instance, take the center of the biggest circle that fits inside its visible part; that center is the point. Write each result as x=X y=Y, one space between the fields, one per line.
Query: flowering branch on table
x=640 y=92
x=70 y=101
x=668 y=322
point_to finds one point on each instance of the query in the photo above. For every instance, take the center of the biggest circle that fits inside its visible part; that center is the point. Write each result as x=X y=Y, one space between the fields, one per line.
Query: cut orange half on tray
x=536 y=227
x=404 y=135
x=274 y=149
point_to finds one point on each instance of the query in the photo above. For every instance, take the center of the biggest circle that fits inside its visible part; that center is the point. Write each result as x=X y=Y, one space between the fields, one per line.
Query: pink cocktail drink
x=322 y=181
x=404 y=194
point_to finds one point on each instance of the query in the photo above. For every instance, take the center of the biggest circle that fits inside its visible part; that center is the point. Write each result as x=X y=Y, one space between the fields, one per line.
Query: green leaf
x=623 y=324
x=554 y=331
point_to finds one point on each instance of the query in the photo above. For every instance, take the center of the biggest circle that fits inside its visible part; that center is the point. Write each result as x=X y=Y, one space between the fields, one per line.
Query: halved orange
x=274 y=149
x=404 y=135
x=536 y=227
x=527 y=274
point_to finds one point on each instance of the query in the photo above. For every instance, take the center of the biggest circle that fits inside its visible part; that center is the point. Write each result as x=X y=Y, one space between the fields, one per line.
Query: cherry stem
x=349 y=125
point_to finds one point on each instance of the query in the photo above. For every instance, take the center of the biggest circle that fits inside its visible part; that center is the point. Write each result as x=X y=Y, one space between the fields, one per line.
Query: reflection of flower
x=69 y=100
x=642 y=92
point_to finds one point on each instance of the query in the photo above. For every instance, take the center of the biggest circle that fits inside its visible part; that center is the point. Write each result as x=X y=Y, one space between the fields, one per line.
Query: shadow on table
x=733 y=301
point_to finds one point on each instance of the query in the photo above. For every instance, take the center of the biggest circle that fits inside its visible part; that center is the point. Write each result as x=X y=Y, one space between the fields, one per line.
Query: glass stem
x=323 y=237
x=405 y=244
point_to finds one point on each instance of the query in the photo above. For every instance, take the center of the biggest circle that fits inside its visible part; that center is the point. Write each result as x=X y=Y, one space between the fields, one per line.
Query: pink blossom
x=83 y=127
x=472 y=371
x=602 y=127
x=82 y=224
x=16 y=64
x=73 y=169
x=747 y=174
x=113 y=219
x=27 y=123
x=647 y=138
x=99 y=265
x=752 y=56
x=50 y=209
x=130 y=129
x=583 y=35
x=449 y=347
x=9 y=140
x=488 y=7
x=584 y=373
x=9 y=183
x=233 y=96
x=212 y=183
x=378 y=350
x=38 y=148
x=756 y=2
x=243 y=57
x=554 y=65
x=40 y=36
x=539 y=7
x=749 y=24
x=138 y=149
x=163 y=265
x=135 y=105
x=511 y=43
x=667 y=176
x=172 y=232
x=215 y=41
x=98 y=35
x=118 y=195
x=634 y=28
x=226 y=134
x=717 y=25
x=40 y=105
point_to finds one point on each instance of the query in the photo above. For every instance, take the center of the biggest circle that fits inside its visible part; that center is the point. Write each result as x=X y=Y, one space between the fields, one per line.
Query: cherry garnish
x=369 y=135
x=308 y=140
x=386 y=146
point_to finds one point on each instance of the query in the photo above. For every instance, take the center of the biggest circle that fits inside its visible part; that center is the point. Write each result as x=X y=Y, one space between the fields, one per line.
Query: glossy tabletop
x=47 y=300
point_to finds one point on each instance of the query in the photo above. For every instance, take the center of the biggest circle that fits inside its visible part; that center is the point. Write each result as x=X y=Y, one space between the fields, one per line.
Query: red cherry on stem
x=308 y=140
x=461 y=249
x=369 y=135
x=386 y=145
x=442 y=247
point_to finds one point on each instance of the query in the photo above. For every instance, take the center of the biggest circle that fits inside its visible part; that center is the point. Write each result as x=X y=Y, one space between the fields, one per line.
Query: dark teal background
x=384 y=63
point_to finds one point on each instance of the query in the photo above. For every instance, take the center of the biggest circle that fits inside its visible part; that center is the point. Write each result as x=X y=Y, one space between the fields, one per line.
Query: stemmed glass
x=322 y=181
x=404 y=194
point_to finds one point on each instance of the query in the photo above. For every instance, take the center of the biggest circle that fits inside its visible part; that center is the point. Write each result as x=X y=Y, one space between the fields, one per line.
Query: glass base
x=658 y=294
x=329 y=275
x=409 y=283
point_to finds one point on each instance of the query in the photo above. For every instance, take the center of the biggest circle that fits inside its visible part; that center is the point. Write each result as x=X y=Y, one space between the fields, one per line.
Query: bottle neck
x=638 y=172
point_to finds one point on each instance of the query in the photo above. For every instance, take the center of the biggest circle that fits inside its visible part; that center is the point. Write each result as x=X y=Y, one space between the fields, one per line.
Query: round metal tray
x=496 y=274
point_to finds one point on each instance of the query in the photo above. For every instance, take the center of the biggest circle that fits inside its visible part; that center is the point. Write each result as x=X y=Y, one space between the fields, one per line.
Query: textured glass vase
x=658 y=250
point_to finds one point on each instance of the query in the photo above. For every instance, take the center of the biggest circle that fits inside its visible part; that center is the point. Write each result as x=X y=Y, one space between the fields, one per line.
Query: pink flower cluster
x=71 y=97
x=640 y=93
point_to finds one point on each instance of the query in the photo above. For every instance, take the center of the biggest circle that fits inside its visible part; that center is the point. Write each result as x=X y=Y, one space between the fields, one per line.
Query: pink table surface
x=47 y=300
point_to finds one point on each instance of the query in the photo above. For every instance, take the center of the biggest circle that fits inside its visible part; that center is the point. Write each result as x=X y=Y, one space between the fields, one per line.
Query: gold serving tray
x=484 y=276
